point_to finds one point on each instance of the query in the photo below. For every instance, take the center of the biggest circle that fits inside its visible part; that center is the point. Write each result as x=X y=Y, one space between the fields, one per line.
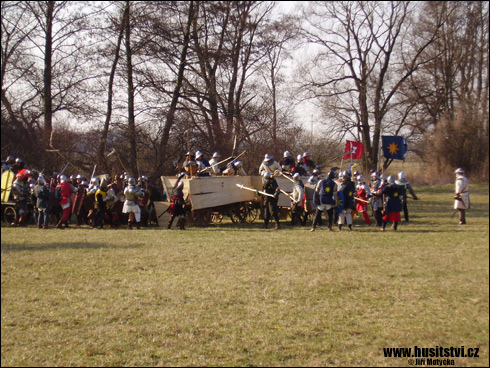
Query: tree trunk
x=48 y=103
x=131 y=118
x=103 y=140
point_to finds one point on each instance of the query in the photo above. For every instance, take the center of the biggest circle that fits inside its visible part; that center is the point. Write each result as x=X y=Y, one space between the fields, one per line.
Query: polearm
x=241 y=186
x=362 y=200
x=209 y=167
x=62 y=171
x=286 y=193
x=287 y=177
x=93 y=172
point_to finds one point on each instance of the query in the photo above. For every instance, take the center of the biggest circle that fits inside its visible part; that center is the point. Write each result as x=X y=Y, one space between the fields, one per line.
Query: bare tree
x=363 y=60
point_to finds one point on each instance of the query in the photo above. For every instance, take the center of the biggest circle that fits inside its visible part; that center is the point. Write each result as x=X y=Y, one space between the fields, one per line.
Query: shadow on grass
x=6 y=247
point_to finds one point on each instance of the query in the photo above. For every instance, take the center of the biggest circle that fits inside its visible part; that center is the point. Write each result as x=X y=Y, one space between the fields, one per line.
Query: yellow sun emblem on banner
x=393 y=148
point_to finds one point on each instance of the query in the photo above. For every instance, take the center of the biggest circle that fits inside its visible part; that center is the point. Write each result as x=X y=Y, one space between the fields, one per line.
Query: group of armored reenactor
x=342 y=195
x=95 y=202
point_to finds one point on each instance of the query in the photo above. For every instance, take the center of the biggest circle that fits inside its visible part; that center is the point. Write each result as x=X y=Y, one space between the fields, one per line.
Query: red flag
x=353 y=150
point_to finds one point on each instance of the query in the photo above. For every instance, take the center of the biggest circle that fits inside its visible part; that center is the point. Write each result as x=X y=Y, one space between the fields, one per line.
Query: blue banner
x=394 y=147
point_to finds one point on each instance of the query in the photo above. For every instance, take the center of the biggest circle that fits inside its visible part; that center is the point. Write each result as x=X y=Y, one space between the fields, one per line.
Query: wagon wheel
x=216 y=217
x=202 y=217
x=252 y=213
x=9 y=214
x=238 y=213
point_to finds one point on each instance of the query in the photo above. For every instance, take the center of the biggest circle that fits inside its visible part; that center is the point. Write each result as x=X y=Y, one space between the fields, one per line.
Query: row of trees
x=133 y=85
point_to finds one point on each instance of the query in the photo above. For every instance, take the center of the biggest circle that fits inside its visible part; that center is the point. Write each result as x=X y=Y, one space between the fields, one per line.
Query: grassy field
x=232 y=295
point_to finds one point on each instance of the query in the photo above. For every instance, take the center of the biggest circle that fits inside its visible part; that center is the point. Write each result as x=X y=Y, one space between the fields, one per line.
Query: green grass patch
x=230 y=295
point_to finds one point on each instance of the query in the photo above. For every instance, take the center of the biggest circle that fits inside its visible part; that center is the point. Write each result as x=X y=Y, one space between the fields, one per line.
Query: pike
x=241 y=186
x=93 y=172
x=362 y=200
x=207 y=168
x=286 y=193
x=62 y=171
x=287 y=177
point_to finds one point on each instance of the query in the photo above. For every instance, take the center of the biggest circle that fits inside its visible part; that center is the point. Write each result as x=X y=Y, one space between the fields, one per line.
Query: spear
x=286 y=193
x=241 y=186
x=362 y=200
x=207 y=168
x=287 y=177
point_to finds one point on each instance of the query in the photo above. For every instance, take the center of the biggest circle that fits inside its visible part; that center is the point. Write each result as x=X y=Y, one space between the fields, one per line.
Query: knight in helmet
x=348 y=190
x=234 y=168
x=8 y=163
x=101 y=204
x=363 y=193
x=270 y=186
x=308 y=164
x=21 y=195
x=65 y=189
x=269 y=165
x=325 y=199
x=377 y=197
x=287 y=163
x=406 y=188
x=41 y=194
x=214 y=168
x=393 y=205
x=461 y=195
x=202 y=164
x=297 y=200
x=18 y=165
x=177 y=207
x=190 y=165
x=132 y=194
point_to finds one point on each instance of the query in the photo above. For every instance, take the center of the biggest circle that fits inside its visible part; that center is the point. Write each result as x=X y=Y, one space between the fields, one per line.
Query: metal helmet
x=375 y=175
x=10 y=159
x=266 y=175
x=180 y=184
x=356 y=173
x=198 y=154
x=306 y=154
x=391 y=179
x=401 y=175
x=299 y=158
x=41 y=180
x=103 y=183
x=238 y=164
x=132 y=181
x=84 y=183
x=383 y=177
x=63 y=178
x=316 y=172
x=345 y=175
x=459 y=171
x=267 y=157
x=360 y=178
x=216 y=154
x=297 y=177
x=331 y=174
x=72 y=178
x=94 y=181
x=18 y=160
x=287 y=154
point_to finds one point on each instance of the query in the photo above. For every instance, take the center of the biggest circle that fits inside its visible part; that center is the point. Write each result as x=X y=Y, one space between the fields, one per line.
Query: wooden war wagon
x=213 y=197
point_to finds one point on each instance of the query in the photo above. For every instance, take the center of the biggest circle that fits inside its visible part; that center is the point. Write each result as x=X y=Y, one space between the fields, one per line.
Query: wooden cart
x=213 y=197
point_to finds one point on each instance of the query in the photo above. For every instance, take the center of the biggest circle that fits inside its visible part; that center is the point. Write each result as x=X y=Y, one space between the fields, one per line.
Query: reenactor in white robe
x=462 y=195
